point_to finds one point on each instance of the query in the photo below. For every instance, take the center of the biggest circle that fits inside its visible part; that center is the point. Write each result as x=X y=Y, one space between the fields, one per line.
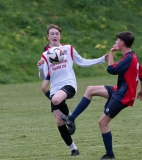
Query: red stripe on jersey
x=44 y=58
x=47 y=47
x=48 y=73
x=114 y=65
x=114 y=88
x=72 y=52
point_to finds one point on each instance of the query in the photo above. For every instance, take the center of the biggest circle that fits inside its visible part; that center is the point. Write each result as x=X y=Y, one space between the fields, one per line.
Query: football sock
x=65 y=134
x=47 y=94
x=63 y=108
x=72 y=146
x=107 y=138
x=82 y=105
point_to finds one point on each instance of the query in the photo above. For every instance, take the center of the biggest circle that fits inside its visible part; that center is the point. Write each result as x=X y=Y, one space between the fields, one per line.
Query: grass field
x=28 y=130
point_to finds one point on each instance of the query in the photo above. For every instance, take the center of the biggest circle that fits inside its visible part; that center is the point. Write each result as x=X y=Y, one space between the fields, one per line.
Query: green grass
x=28 y=130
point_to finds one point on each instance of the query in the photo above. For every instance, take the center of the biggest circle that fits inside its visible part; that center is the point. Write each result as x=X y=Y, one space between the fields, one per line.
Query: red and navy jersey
x=129 y=71
x=46 y=47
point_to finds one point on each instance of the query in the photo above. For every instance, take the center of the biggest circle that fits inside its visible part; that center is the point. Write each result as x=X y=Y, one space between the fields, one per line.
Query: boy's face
x=54 y=37
x=118 y=44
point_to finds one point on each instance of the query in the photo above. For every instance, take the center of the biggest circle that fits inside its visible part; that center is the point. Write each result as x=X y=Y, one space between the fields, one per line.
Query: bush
x=90 y=26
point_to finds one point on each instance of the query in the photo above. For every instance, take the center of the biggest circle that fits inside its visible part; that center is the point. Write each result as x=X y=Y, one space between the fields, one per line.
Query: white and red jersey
x=63 y=74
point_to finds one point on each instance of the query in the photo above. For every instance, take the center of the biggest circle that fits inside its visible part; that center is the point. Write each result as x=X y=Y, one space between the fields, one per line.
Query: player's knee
x=56 y=100
x=88 y=91
x=100 y=122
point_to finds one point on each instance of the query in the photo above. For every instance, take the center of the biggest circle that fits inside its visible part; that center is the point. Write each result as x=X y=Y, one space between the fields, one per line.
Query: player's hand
x=139 y=94
x=39 y=63
x=106 y=57
x=114 y=48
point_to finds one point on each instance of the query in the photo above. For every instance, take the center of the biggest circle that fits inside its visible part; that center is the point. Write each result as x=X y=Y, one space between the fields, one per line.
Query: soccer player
x=63 y=81
x=119 y=97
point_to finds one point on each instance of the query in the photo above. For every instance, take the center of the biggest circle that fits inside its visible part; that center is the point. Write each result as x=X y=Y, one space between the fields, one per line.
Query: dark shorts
x=110 y=90
x=112 y=106
x=70 y=91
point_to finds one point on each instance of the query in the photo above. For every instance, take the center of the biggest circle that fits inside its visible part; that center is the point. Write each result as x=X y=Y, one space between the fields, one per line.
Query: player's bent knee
x=100 y=122
x=88 y=91
x=56 y=100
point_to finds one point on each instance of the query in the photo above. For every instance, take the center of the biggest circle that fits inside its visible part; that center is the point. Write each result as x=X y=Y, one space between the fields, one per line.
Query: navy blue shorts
x=112 y=106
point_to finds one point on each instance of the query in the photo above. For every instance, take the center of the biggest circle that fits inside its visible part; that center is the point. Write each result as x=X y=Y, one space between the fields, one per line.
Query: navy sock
x=82 y=105
x=107 y=138
x=47 y=94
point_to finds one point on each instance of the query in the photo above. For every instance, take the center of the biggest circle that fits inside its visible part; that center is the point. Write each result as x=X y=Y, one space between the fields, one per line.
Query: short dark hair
x=127 y=37
x=53 y=26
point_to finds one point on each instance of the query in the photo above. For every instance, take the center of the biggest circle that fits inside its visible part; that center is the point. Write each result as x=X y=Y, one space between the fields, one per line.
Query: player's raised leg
x=83 y=104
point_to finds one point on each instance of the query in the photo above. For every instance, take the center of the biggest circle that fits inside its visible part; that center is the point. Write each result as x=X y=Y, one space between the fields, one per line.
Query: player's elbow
x=44 y=88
